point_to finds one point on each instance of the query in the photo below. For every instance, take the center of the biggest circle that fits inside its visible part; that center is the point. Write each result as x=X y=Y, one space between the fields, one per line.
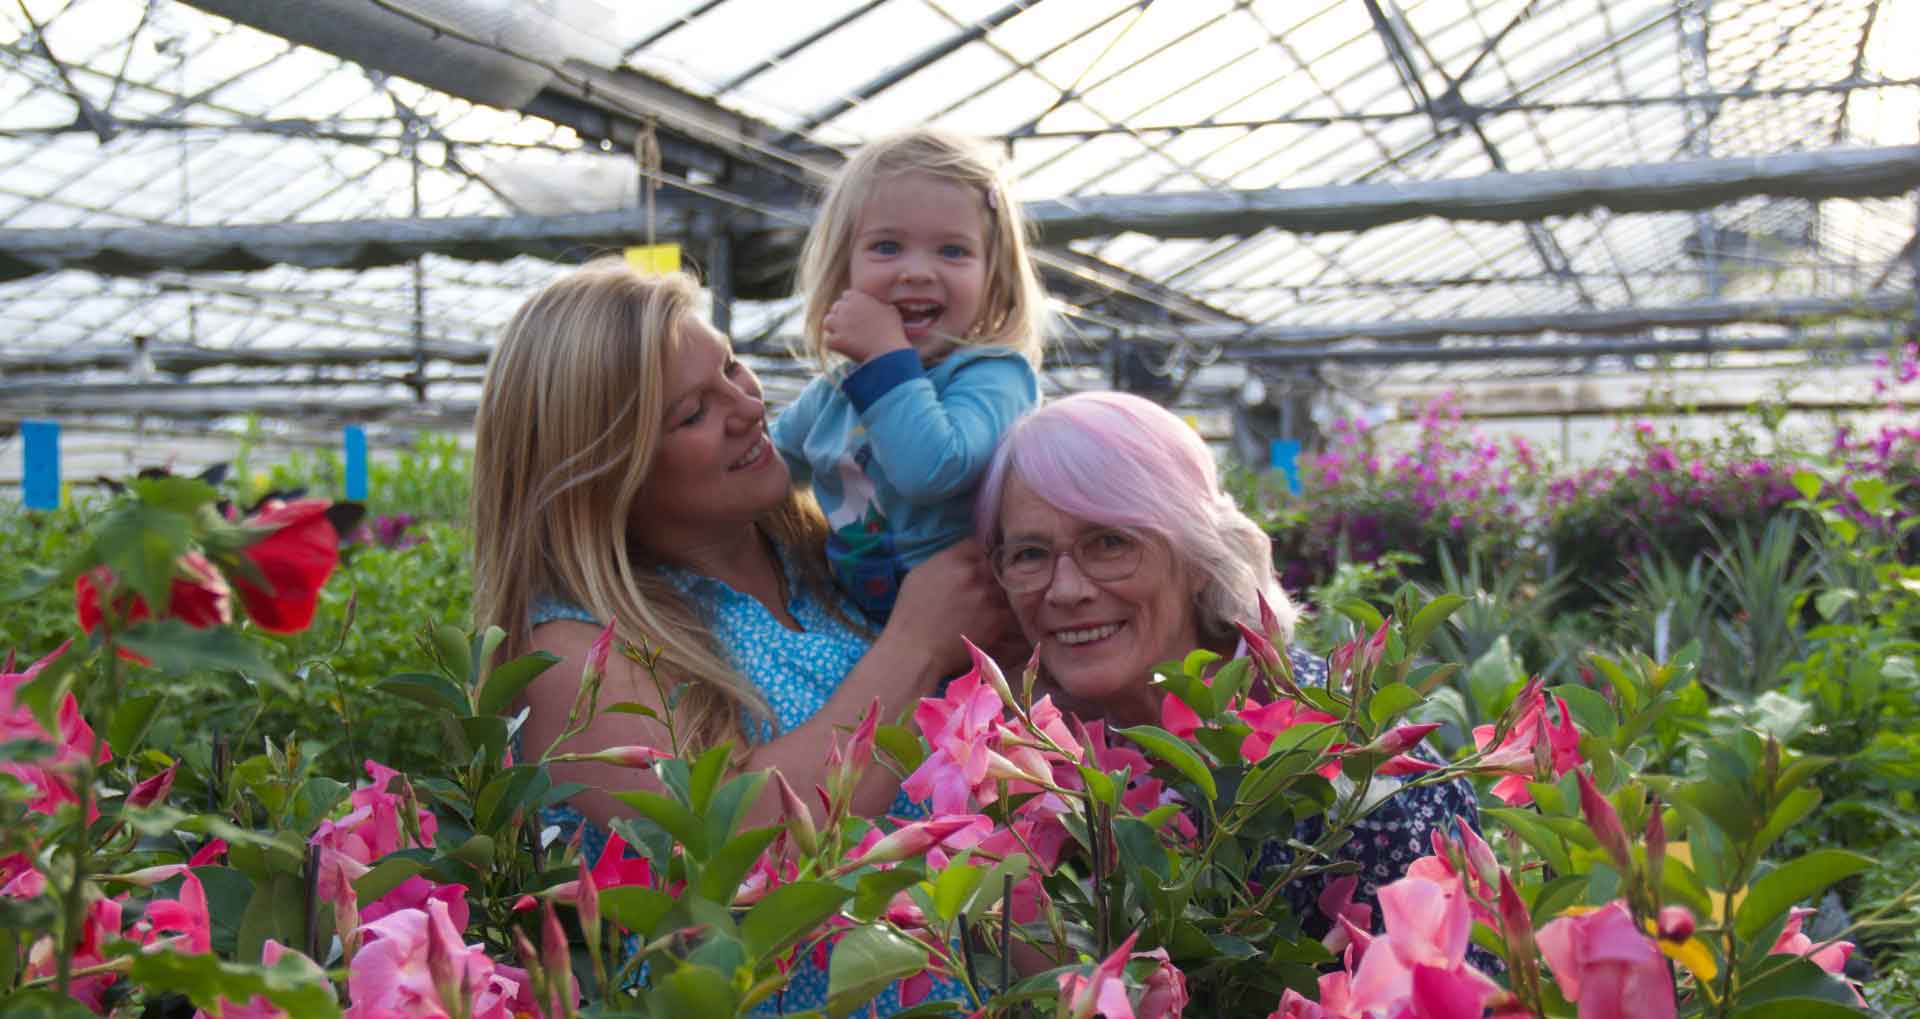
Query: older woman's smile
x=1087 y=635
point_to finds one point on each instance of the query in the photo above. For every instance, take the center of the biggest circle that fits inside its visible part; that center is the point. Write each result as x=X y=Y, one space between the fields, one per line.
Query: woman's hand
x=953 y=595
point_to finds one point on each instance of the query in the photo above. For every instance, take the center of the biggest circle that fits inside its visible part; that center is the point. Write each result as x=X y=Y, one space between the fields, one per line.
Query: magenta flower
x=1532 y=737
x=185 y=917
x=1104 y=991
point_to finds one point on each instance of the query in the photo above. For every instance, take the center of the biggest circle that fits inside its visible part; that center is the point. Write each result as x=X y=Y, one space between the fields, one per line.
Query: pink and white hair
x=1118 y=460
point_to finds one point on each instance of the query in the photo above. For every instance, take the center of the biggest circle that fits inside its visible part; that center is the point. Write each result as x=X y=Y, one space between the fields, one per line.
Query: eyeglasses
x=1027 y=566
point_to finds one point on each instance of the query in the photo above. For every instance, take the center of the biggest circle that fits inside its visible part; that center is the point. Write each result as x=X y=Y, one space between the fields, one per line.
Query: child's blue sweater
x=894 y=451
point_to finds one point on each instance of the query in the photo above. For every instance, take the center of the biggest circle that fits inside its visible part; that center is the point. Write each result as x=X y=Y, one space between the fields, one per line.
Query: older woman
x=1118 y=551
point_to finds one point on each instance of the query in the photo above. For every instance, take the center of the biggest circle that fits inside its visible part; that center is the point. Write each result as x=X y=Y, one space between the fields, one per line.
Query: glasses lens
x=1023 y=567
x=1108 y=555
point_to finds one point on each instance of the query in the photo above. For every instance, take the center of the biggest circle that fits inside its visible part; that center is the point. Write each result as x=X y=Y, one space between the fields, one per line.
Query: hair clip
x=993 y=200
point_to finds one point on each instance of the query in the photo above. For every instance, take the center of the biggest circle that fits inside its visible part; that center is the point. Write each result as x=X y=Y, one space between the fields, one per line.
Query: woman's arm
x=949 y=595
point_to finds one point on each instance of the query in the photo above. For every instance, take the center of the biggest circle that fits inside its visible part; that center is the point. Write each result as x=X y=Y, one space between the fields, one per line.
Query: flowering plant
x=1060 y=866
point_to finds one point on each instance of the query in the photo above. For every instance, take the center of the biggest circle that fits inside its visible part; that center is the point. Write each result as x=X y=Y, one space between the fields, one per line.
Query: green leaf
x=1361 y=613
x=1392 y=700
x=729 y=863
x=1797 y=879
x=1174 y=751
x=1231 y=679
x=314 y=800
x=952 y=887
x=1798 y=1008
x=428 y=689
x=43 y=1004
x=174 y=493
x=668 y=814
x=1534 y=833
x=387 y=875
x=294 y=984
x=1197 y=662
x=130 y=722
x=1429 y=619
x=731 y=803
x=994 y=883
x=705 y=777
x=1491 y=675
x=1793 y=979
x=1829 y=602
x=903 y=743
x=1590 y=710
x=1807 y=484
x=693 y=989
x=865 y=961
x=506 y=682
x=789 y=913
x=141 y=543
x=1874 y=493
x=450 y=644
x=177 y=649
x=873 y=891
x=515 y=788
x=277 y=910
x=637 y=908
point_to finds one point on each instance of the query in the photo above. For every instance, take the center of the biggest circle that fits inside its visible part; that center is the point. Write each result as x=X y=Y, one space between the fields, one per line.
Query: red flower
x=295 y=561
x=197 y=597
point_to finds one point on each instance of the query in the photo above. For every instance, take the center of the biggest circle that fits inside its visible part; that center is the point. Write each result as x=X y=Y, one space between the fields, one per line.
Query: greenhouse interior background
x=230 y=217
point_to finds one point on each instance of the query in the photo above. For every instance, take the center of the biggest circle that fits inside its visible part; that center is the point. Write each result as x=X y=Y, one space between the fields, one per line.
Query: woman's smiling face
x=1099 y=639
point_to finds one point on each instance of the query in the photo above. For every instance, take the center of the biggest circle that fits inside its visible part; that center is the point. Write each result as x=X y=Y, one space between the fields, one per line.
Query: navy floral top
x=1384 y=843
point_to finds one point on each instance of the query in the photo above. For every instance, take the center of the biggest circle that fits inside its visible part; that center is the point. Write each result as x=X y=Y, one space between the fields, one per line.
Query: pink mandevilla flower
x=1604 y=963
x=1516 y=753
x=1419 y=965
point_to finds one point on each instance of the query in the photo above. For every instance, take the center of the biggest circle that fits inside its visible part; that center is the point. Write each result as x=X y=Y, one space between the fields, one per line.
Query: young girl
x=917 y=274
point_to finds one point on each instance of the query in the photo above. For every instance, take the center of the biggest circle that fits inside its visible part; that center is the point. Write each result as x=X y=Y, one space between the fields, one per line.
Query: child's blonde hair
x=1013 y=304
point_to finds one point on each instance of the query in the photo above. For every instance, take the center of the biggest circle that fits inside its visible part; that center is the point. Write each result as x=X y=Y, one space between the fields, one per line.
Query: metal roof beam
x=1576 y=349
x=914 y=65
x=1509 y=197
x=1624 y=320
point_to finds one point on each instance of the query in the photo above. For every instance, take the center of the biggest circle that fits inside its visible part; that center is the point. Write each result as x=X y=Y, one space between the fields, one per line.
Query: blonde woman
x=622 y=471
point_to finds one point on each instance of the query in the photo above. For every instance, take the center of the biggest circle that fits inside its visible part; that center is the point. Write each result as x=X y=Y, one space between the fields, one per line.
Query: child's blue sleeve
x=935 y=445
x=789 y=430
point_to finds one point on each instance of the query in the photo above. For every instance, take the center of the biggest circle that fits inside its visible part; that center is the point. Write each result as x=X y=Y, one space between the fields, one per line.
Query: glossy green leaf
x=788 y=914
x=456 y=655
x=635 y=908
x=425 y=688
x=517 y=788
x=1363 y=614
x=1800 y=878
x=704 y=777
x=668 y=814
x=1391 y=701
x=1591 y=712
x=130 y=720
x=506 y=682
x=873 y=891
x=730 y=862
x=902 y=743
x=1174 y=751
x=692 y=990
x=177 y=649
x=1429 y=619
x=142 y=543
x=295 y=984
x=953 y=886
x=865 y=961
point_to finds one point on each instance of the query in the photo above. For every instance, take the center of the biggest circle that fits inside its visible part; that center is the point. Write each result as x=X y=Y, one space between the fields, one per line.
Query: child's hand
x=861 y=328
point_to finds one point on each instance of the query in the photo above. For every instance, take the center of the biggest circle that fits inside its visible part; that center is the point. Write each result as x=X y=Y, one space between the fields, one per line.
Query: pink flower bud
x=557 y=962
x=586 y=898
x=1403 y=738
x=1675 y=924
x=911 y=840
x=1605 y=823
x=627 y=757
x=799 y=818
x=153 y=790
x=989 y=671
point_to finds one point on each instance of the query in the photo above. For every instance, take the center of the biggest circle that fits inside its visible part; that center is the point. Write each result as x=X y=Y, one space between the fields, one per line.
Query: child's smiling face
x=920 y=246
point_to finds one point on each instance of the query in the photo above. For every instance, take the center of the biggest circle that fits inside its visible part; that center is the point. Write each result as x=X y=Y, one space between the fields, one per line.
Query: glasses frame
x=1140 y=541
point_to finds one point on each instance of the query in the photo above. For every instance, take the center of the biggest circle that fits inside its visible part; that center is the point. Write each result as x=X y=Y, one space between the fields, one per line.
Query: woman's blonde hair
x=1013 y=304
x=566 y=433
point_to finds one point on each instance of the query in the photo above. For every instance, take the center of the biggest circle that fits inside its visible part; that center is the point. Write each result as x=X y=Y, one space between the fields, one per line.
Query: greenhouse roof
x=326 y=211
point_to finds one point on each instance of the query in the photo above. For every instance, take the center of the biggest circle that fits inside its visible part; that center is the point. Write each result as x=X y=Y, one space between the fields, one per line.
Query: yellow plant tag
x=658 y=258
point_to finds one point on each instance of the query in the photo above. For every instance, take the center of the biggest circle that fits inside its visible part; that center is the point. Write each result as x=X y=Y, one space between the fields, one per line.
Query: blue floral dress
x=798 y=671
